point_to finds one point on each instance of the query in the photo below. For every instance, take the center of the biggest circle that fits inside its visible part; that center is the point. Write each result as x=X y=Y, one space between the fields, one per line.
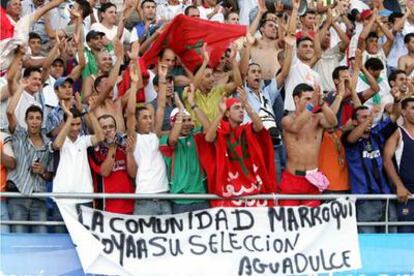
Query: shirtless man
x=302 y=136
x=104 y=86
x=406 y=62
x=264 y=51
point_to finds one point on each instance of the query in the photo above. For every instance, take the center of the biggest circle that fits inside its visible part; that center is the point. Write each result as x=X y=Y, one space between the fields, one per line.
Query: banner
x=217 y=241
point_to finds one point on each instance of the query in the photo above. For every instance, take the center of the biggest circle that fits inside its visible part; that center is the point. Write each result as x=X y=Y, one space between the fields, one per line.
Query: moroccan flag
x=240 y=162
x=186 y=35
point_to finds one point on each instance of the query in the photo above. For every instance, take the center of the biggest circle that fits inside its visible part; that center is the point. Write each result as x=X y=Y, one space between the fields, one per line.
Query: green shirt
x=183 y=168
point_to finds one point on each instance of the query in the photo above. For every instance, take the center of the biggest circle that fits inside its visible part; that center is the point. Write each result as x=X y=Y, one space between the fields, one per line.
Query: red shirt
x=117 y=181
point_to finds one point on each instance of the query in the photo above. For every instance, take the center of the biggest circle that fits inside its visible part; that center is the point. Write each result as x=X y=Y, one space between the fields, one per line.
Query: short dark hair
x=372 y=35
x=335 y=73
x=300 y=88
x=394 y=16
x=394 y=74
x=406 y=101
x=33 y=108
x=75 y=112
x=161 y=53
x=146 y=1
x=28 y=71
x=106 y=116
x=308 y=11
x=188 y=8
x=33 y=35
x=99 y=79
x=374 y=64
x=139 y=110
x=408 y=37
x=356 y=110
x=302 y=39
x=85 y=7
x=106 y=6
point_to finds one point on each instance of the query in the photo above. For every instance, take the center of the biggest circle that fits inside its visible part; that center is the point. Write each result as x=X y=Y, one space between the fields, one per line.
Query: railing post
x=386 y=215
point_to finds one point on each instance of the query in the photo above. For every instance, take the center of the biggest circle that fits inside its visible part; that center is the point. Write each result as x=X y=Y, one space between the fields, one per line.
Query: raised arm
x=256 y=121
x=374 y=87
x=390 y=37
x=40 y=11
x=211 y=133
x=237 y=79
x=293 y=17
x=199 y=75
x=78 y=40
x=290 y=41
x=99 y=136
x=344 y=43
x=178 y=123
x=245 y=55
x=131 y=105
x=261 y=9
x=11 y=107
x=202 y=118
x=365 y=31
x=63 y=133
x=161 y=98
x=359 y=130
x=53 y=54
x=389 y=151
x=14 y=70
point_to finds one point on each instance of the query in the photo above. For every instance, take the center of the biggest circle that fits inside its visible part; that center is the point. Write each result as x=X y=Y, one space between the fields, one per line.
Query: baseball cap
x=365 y=14
x=60 y=81
x=93 y=34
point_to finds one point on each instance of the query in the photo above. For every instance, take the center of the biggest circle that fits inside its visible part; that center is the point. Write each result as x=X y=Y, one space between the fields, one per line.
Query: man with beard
x=401 y=146
x=180 y=149
x=238 y=158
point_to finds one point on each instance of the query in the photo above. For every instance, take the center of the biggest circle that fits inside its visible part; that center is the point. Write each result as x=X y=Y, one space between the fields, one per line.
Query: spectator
x=406 y=62
x=170 y=9
x=238 y=158
x=180 y=150
x=363 y=147
x=32 y=157
x=145 y=28
x=151 y=176
x=192 y=11
x=208 y=95
x=211 y=10
x=302 y=138
x=73 y=173
x=8 y=162
x=401 y=146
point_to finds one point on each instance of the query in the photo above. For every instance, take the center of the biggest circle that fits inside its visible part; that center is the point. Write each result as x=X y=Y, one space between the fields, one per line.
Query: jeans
x=405 y=212
x=4 y=215
x=280 y=160
x=178 y=208
x=374 y=211
x=30 y=209
x=149 y=207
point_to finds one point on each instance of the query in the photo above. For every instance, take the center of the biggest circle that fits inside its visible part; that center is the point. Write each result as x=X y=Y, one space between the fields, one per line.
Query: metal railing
x=167 y=196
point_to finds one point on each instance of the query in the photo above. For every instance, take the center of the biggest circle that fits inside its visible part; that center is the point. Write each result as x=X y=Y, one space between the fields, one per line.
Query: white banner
x=218 y=241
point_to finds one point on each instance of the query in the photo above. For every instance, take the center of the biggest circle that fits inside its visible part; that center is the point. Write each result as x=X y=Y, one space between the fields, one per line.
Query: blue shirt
x=268 y=94
x=365 y=163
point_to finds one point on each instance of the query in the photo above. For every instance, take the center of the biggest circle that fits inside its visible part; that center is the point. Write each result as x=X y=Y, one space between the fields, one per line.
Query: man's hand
x=261 y=4
x=403 y=194
x=78 y=102
x=396 y=94
x=222 y=105
x=290 y=40
x=242 y=95
x=134 y=53
x=190 y=90
x=204 y=52
x=178 y=102
x=162 y=71
x=118 y=48
x=295 y=4
x=279 y=7
x=130 y=144
x=37 y=168
x=250 y=39
x=66 y=110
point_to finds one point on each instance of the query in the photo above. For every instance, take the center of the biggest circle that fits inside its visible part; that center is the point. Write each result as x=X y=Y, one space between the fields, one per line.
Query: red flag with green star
x=186 y=35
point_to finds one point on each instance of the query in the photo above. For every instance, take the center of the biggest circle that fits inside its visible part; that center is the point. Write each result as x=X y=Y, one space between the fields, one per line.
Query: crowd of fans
x=315 y=98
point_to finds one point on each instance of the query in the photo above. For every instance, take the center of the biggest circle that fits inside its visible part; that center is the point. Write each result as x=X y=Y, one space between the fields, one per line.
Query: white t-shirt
x=73 y=174
x=110 y=33
x=381 y=56
x=326 y=65
x=152 y=172
x=299 y=73
x=168 y=12
x=219 y=17
x=25 y=101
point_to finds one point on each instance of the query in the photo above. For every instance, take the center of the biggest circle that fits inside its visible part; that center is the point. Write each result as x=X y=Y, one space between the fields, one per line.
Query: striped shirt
x=26 y=154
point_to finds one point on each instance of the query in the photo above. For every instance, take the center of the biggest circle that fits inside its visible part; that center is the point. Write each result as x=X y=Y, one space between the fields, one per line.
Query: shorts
x=296 y=184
